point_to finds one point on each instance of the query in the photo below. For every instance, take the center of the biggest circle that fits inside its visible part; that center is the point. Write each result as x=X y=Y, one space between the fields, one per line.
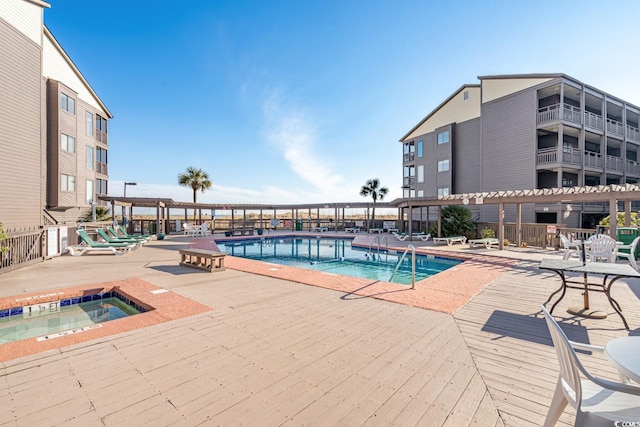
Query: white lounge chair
x=450 y=240
x=598 y=402
x=79 y=250
x=487 y=242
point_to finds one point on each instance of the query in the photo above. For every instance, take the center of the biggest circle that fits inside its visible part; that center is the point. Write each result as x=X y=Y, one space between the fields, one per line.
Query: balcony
x=632 y=167
x=615 y=127
x=550 y=156
x=593 y=160
x=101 y=136
x=614 y=164
x=408 y=181
x=593 y=121
x=408 y=157
x=633 y=134
x=102 y=168
x=552 y=113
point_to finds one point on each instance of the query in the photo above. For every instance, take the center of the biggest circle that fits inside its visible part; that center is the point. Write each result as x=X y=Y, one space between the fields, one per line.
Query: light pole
x=123 y=209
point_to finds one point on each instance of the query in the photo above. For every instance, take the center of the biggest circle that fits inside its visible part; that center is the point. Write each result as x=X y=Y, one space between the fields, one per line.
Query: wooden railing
x=593 y=121
x=633 y=133
x=24 y=248
x=614 y=163
x=535 y=235
x=593 y=159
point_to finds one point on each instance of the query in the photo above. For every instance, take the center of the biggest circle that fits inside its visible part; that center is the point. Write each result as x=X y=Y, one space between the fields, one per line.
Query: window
x=443 y=191
x=67 y=183
x=420 y=193
x=420 y=148
x=420 y=173
x=443 y=137
x=68 y=143
x=89 y=124
x=443 y=165
x=89 y=158
x=67 y=103
x=101 y=186
x=465 y=95
x=89 y=192
x=101 y=124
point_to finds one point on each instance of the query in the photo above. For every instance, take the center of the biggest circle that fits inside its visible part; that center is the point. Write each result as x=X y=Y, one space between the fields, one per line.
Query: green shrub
x=487 y=233
x=102 y=214
x=635 y=219
x=3 y=237
x=456 y=220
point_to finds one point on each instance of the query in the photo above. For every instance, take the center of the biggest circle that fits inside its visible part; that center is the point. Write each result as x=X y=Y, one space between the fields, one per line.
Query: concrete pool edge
x=163 y=306
x=445 y=292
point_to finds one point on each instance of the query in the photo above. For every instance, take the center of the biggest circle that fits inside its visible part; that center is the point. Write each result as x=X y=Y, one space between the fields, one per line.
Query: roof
x=75 y=69
x=453 y=95
x=600 y=193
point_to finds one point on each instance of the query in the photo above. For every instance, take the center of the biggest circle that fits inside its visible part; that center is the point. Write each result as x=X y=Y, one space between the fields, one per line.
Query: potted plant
x=160 y=236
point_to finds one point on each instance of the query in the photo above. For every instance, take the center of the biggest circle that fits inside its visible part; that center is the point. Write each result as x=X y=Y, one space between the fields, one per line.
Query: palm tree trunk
x=195 y=195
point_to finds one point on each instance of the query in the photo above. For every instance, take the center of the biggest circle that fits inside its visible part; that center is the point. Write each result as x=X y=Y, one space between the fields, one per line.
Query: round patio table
x=623 y=354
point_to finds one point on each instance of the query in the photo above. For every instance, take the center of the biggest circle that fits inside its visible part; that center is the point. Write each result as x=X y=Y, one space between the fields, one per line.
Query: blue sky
x=303 y=101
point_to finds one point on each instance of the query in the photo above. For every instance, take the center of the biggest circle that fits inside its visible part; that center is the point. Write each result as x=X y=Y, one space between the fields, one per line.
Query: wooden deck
x=277 y=352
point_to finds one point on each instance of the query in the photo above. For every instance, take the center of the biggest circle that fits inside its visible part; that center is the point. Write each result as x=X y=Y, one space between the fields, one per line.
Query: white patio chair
x=570 y=248
x=598 y=402
x=602 y=248
x=631 y=256
x=204 y=229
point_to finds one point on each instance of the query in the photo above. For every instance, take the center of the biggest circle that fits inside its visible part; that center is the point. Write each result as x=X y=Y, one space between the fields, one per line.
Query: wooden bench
x=202 y=259
x=242 y=231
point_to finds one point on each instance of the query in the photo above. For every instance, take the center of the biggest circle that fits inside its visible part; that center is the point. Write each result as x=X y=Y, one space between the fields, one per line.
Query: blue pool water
x=47 y=319
x=336 y=256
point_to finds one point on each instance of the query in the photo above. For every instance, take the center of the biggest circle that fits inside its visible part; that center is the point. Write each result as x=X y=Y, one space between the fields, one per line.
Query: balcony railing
x=409 y=157
x=633 y=133
x=615 y=127
x=593 y=160
x=632 y=167
x=569 y=155
x=614 y=163
x=593 y=121
x=409 y=181
x=552 y=113
x=572 y=114
x=101 y=137
x=102 y=168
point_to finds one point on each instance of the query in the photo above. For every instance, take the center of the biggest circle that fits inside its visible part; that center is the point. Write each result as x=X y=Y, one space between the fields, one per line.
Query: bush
x=487 y=233
x=456 y=221
x=3 y=237
x=635 y=219
x=102 y=214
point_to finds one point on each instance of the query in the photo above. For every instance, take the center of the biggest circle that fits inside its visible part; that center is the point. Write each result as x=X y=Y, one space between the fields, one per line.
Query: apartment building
x=53 y=126
x=516 y=132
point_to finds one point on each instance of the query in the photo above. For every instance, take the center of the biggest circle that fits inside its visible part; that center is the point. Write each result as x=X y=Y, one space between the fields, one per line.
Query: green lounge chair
x=116 y=235
x=93 y=244
x=112 y=240
x=124 y=233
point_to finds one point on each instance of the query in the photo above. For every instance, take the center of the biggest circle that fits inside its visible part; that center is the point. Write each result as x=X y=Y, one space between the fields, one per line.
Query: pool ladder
x=379 y=240
x=413 y=265
x=268 y=232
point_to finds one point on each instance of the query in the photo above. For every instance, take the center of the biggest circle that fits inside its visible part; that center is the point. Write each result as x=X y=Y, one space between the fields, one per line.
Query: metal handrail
x=379 y=240
x=413 y=265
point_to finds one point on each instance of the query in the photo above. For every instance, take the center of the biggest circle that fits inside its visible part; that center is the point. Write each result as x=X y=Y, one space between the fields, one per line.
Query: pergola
x=162 y=204
x=612 y=194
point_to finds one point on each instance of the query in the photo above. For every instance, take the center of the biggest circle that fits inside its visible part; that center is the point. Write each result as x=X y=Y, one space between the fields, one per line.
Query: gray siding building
x=518 y=132
x=53 y=126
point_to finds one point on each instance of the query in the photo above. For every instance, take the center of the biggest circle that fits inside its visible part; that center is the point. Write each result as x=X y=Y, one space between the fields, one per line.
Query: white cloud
x=292 y=133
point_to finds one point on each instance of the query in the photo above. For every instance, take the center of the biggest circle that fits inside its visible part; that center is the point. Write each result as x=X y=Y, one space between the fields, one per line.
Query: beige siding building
x=53 y=126
x=517 y=132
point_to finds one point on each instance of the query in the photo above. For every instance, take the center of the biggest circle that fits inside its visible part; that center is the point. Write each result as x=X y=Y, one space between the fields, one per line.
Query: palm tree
x=197 y=179
x=372 y=188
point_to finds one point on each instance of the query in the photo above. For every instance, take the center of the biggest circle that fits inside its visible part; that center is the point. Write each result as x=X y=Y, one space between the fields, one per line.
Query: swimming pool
x=336 y=256
x=56 y=318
